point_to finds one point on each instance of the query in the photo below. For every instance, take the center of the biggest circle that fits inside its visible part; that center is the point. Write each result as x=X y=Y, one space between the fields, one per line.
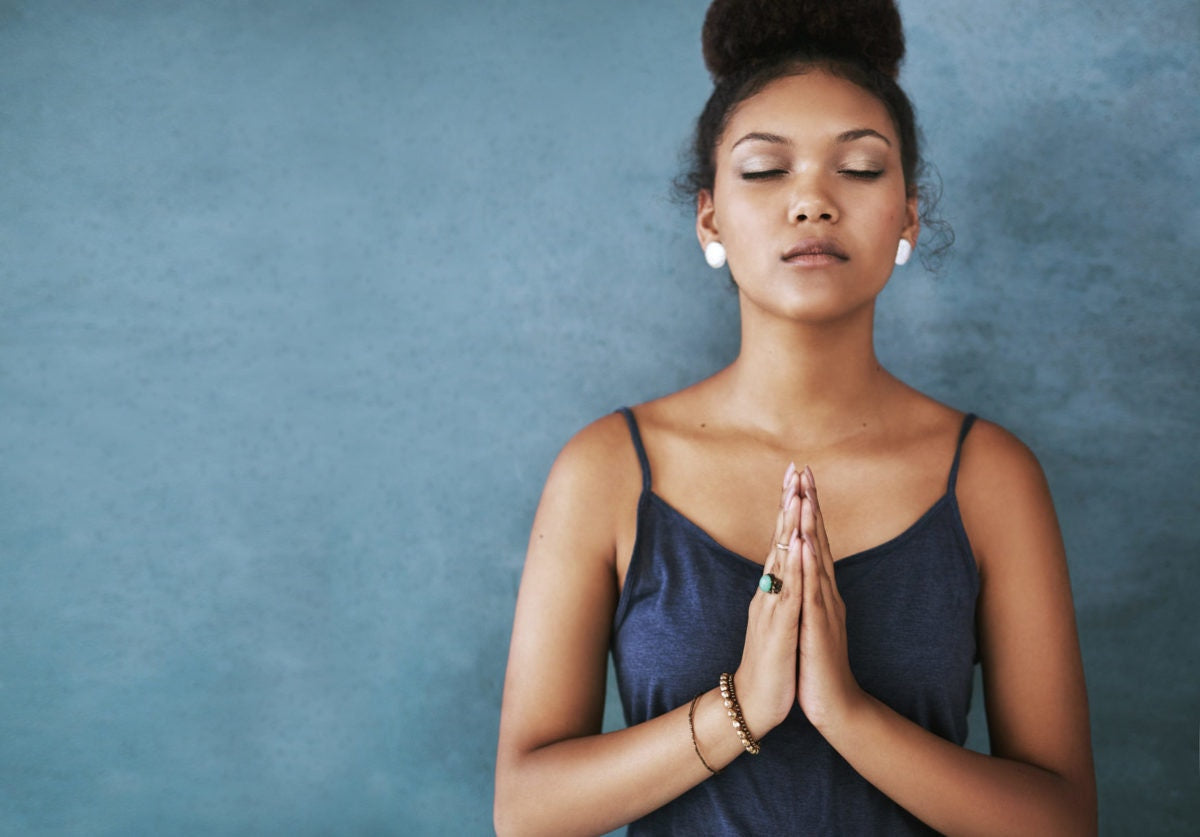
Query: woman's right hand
x=766 y=678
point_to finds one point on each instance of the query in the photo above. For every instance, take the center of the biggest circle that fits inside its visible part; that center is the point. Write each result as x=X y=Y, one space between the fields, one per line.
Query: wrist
x=737 y=719
x=714 y=735
x=761 y=716
x=841 y=715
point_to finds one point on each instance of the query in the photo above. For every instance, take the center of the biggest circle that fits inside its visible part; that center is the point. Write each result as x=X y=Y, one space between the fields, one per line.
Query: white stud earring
x=714 y=254
x=903 y=252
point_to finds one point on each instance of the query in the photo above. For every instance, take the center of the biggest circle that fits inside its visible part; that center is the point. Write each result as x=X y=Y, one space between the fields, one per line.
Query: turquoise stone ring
x=770 y=584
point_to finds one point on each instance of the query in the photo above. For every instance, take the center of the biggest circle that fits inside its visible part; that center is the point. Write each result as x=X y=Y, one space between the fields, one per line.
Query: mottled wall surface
x=298 y=301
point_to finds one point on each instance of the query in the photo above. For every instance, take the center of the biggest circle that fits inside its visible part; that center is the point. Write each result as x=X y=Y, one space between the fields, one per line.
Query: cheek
x=887 y=221
x=884 y=222
x=890 y=215
x=740 y=221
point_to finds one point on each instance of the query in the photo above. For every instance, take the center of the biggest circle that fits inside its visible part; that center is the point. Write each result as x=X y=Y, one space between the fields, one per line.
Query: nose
x=811 y=202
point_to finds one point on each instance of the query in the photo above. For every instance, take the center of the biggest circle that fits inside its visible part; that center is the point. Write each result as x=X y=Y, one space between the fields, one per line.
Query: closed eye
x=862 y=174
x=762 y=175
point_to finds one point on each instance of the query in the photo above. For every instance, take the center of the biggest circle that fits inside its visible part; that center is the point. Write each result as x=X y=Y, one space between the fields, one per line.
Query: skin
x=806 y=388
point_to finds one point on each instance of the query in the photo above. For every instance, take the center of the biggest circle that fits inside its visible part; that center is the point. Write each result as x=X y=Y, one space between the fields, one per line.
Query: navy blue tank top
x=910 y=622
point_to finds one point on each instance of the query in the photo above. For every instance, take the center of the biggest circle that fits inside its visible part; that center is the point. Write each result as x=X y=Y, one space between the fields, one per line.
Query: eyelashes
x=862 y=174
x=762 y=175
x=857 y=174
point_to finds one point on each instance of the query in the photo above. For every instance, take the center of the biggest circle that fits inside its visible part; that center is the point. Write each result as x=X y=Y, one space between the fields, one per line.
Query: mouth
x=815 y=251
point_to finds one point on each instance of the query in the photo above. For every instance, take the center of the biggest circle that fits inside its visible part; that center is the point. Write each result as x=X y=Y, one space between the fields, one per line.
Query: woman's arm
x=1039 y=778
x=555 y=772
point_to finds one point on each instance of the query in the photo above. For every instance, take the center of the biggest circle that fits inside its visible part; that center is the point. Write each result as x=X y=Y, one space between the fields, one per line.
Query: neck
x=809 y=383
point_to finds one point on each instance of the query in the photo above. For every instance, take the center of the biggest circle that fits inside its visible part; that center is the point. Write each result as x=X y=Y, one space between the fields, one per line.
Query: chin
x=813 y=305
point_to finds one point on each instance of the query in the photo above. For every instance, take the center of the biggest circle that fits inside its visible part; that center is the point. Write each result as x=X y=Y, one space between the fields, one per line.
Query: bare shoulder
x=993 y=446
x=997 y=468
x=1002 y=493
x=599 y=461
x=595 y=446
x=592 y=487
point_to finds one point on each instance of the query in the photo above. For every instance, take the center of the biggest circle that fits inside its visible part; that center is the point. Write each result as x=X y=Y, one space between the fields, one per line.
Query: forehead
x=814 y=105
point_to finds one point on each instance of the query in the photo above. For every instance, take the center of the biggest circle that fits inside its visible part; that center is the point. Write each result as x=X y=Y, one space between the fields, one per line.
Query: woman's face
x=809 y=198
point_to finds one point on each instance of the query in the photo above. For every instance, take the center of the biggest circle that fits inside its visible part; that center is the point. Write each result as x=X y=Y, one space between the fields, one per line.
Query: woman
x=797 y=561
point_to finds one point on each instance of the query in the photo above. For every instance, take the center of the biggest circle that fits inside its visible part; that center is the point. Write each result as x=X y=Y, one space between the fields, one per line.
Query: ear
x=912 y=220
x=706 y=220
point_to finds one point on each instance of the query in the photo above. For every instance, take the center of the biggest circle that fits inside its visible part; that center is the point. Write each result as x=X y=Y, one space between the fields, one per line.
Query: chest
x=734 y=497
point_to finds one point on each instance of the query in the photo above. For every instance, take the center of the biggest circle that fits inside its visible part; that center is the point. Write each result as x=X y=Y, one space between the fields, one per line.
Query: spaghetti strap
x=638 y=446
x=968 y=420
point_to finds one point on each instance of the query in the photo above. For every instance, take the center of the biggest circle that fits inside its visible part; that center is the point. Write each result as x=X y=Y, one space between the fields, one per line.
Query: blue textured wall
x=298 y=301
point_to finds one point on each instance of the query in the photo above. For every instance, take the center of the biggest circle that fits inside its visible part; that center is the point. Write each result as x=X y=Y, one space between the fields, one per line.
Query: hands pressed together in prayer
x=796 y=647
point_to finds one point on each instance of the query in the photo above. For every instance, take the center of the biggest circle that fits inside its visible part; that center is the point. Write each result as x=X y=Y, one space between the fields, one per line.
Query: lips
x=815 y=250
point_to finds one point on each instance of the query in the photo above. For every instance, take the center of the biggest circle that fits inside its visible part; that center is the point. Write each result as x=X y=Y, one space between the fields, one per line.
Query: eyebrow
x=859 y=133
x=845 y=136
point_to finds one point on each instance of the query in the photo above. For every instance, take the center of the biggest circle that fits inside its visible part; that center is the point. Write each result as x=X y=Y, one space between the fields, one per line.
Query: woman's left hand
x=826 y=689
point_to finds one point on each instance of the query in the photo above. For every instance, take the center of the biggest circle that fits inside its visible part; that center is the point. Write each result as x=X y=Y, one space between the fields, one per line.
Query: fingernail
x=791 y=504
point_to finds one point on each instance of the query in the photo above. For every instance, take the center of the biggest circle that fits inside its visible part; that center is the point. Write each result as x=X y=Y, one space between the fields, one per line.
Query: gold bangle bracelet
x=692 y=727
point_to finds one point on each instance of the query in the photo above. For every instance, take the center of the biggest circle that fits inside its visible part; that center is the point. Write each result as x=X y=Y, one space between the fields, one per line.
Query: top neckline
x=946 y=499
x=853 y=558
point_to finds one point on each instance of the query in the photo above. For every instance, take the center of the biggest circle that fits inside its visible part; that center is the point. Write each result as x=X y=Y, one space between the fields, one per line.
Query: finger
x=791 y=519
x=789 y=487
x=777 y=560
x=770 y=561
x=810 y=491
x=792 y=574
x=822 y=562
x=822 y=540
x=783 y=528
x=791 y=516
x=813 y=601
x=808 y=536
x=814 y=529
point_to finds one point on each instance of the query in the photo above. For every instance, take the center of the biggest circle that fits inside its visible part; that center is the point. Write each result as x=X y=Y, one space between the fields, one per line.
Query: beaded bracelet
x=695 y=744
x=734 y=710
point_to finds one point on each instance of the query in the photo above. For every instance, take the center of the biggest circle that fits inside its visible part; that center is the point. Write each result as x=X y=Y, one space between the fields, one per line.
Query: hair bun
x=737 y=32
